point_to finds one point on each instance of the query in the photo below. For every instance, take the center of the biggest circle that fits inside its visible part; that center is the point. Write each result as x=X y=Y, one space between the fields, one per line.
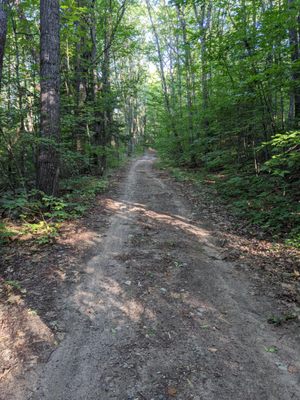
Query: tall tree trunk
x=48 y=158
x=162 y=72
x=94 y=90
x=3 y=31
x=106 y=88
x=188 y=77
x=294 y=112
x=84 y=58
x=103 y=115
x=204 y=23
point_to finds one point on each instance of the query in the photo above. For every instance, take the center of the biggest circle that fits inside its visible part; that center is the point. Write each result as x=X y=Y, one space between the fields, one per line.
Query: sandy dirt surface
x=155 y=312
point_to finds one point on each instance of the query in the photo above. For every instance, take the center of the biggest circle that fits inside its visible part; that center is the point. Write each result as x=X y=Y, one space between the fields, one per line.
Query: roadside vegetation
x=269 y=200
x=39 y=216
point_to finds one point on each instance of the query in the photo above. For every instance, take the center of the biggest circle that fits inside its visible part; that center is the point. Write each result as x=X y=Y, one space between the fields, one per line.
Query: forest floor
x=152 y=295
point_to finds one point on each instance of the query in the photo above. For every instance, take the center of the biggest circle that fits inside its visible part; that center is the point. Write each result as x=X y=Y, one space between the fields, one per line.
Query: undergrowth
x=40 y=216
x=265 y=201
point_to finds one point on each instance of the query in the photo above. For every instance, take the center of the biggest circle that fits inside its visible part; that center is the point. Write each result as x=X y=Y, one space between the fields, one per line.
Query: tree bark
x=103 y=112
x=3 y=32
x=188 y=74
x=83 y=83
x=294 y=112
x=106 y=88
x=48 y=158
x=162 y=72
x=204 y=23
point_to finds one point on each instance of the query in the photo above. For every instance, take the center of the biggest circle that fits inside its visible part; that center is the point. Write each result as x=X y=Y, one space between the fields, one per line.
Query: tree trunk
x=106 y=89
x=48 y=158
x=162 y=72
x=204 y=23
x=3 y=31
x=294 y=113
x=188 y=75
x=83 y=83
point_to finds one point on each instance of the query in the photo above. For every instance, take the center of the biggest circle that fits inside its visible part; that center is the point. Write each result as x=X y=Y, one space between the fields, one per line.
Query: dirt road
x=158 y=314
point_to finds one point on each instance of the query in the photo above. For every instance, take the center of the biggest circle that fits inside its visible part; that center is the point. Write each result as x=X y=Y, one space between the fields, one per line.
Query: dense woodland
x=214 y=86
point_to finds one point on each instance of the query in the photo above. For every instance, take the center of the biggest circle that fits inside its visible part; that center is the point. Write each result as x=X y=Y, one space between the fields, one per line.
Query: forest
x=149 y=199
x=213 y=86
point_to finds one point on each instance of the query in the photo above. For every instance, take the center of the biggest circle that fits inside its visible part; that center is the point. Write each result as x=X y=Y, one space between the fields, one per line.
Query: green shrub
x=41 y=214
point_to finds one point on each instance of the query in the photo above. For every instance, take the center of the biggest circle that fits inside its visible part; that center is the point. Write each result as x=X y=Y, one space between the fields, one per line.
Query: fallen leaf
x=190 y=383
x=204 y=326
x=14 y=299
x=271 y=349
x=171 y=391
x=282 y=367
x=212 y=349
x=293 y=369
x=296 y=274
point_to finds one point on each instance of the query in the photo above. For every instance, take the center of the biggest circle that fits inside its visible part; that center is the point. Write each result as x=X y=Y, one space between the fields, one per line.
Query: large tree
x=294 y=17
x=48 y=158
x=3 y=30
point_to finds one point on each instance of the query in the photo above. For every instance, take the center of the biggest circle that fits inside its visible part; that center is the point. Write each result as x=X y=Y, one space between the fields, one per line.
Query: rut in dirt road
x=159 y=315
